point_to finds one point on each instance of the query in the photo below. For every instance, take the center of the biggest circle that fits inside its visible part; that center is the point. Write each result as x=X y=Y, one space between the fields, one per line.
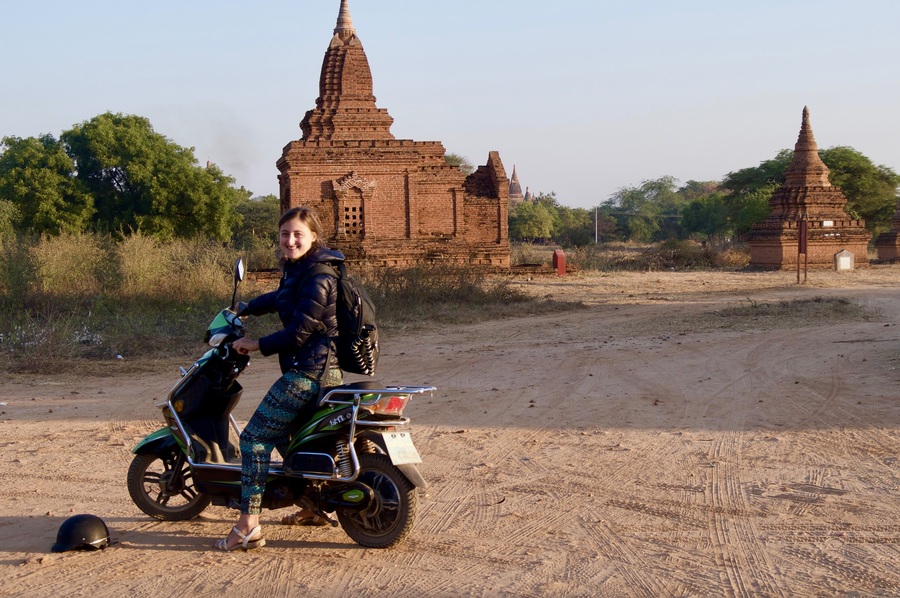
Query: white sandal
x=246 y=542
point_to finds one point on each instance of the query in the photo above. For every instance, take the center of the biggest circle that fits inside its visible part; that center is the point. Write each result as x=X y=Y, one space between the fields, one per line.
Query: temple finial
x=344 y=26
x=806 y=141
x=806 y=169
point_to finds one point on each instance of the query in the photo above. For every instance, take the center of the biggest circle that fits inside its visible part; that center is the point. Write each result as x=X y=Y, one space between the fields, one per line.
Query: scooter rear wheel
x=392 y=513
x=162 y=491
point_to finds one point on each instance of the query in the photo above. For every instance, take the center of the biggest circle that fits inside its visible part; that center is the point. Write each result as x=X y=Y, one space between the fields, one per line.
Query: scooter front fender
x=155 y=443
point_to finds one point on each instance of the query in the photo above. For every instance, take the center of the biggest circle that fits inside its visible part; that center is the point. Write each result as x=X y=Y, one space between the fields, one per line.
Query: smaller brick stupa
x=888 y=244
x=807 y=195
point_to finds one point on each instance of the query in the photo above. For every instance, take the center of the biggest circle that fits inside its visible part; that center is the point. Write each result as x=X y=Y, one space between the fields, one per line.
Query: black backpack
x=357 y=342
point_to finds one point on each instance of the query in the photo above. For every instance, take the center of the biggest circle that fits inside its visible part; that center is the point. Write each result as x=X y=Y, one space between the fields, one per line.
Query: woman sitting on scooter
x=307 y=307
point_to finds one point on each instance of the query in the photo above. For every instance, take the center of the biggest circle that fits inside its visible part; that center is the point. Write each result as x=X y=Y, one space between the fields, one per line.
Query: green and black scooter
x=349 y=460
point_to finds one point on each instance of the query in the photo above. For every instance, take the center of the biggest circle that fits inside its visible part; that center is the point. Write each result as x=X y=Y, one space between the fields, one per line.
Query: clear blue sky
x=583 y=96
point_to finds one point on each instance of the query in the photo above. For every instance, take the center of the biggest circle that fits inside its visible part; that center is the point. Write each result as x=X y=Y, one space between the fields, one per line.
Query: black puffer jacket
x=307 y=307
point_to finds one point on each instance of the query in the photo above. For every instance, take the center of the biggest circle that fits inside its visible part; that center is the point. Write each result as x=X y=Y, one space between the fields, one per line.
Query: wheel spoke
x=381 y=515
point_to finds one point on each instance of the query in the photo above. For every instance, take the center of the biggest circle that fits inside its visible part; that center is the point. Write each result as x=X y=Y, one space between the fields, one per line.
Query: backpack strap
x=321 y=268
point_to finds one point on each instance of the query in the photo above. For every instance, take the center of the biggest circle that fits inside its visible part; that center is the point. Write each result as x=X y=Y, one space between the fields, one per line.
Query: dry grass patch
x=797 y=313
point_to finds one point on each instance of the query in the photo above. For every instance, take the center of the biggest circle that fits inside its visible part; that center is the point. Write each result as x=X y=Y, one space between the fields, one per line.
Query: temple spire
x=345 y=108
x=344 y=28
x=807 y=168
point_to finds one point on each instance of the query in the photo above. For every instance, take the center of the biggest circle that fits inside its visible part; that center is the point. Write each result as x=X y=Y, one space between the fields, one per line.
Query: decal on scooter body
x=324 y=422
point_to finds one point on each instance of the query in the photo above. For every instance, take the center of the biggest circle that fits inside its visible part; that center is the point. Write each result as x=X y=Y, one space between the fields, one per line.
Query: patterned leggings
x=268 y=429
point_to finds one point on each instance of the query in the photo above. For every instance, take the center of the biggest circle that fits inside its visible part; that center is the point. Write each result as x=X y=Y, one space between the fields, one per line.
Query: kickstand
x=307 y=504
x=326 y=517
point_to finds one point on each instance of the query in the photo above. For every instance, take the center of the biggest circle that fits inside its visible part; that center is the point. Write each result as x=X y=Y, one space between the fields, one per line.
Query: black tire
x=391 y=516
x=148 y=479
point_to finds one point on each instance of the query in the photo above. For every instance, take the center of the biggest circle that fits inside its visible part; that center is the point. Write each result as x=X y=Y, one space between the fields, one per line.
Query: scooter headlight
x=217 y=339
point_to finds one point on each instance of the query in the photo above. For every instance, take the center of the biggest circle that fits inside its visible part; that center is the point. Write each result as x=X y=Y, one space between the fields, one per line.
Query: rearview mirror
x=238 y=277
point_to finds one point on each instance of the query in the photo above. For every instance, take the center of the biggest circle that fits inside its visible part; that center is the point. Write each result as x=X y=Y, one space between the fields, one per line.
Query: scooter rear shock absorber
x=345 y=465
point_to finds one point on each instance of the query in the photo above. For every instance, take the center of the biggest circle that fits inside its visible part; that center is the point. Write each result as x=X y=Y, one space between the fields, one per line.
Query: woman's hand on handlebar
x=244 y=346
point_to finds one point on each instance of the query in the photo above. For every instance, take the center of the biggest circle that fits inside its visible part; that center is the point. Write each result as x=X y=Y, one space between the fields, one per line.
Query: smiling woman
x=306 y=304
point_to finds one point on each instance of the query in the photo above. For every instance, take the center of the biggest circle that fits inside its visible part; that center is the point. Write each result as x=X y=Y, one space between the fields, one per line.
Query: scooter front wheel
x=163 y=490
x=390 y=516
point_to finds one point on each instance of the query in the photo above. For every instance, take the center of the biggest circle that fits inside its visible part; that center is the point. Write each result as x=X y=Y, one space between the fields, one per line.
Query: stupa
x=807 y=195
x=515 y=190
x=387 y=201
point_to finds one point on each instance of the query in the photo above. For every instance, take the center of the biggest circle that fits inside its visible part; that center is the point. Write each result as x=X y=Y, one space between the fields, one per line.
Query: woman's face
x=295 y=239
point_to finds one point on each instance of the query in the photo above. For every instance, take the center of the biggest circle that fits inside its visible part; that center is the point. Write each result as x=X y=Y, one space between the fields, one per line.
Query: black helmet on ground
x=81 y=532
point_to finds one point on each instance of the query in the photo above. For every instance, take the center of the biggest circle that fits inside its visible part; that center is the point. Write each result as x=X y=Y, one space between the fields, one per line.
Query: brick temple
x=807 y=194
x=888 y=244
x=387 y=201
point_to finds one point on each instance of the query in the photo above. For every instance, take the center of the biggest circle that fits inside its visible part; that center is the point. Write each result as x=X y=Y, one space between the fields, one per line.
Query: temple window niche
x=353 y=193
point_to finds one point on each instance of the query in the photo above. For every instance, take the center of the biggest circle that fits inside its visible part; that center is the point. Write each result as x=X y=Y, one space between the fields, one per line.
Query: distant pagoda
x=807 y=195
x=515 y=190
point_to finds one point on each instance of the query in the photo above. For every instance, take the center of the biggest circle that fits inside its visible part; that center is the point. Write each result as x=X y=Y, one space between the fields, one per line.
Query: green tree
x=140 y=180
x=9 y=216
x=649 y=212
x=692 y=190
x=768 y=173
x=706 y=216
x=575 y=227
x=461 y=162
x=606 y=226
x=258 y=222
x=531 y=221
x=871 y=190
x=37 y=177
x=754 y=208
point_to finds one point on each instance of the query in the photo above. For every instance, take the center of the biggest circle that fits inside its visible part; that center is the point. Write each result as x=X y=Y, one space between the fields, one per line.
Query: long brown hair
x=307 y=216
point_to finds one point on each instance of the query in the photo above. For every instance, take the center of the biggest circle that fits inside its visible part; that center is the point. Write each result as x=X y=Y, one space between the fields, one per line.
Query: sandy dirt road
x=642 y=445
